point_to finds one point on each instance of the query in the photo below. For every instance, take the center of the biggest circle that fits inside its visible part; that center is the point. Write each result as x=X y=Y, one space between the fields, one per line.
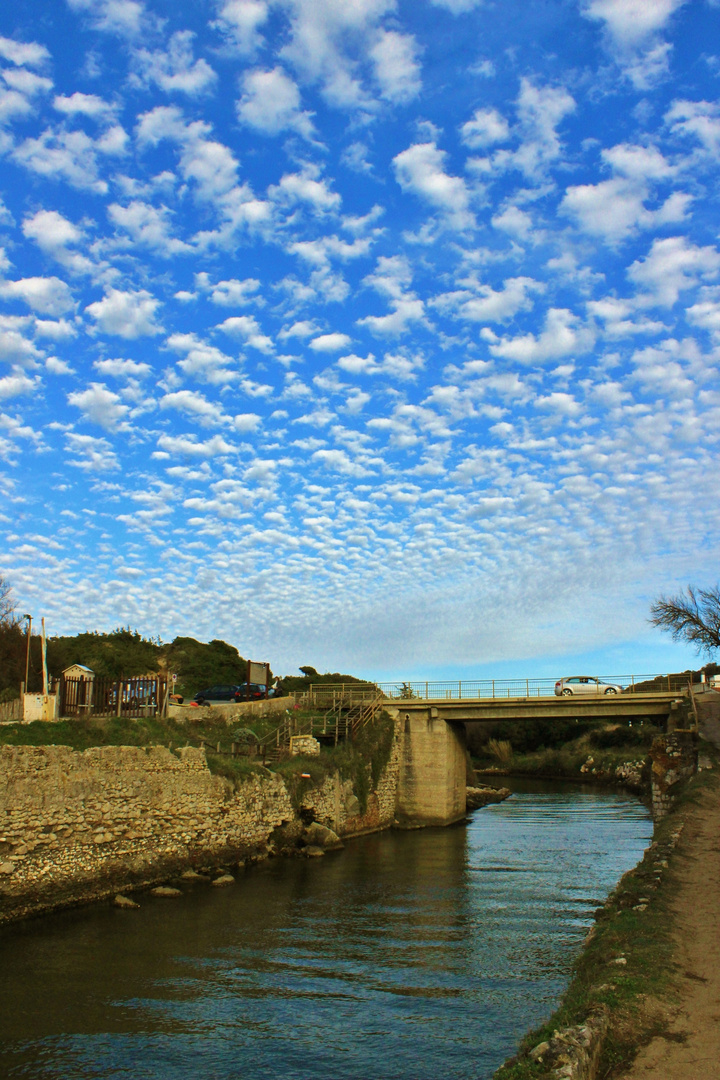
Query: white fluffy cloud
x=101 y=406
x=421 y=170
x=632 y=22
x=562 y=335
x=57 y=237
x=148 y=226
x=79 y=104
x=49 y=296
x=23 y=53
x=633 y=30
x=123 y=18
x=125 y=314
x=396 y=66
x=672 y=266
x=330 y=342
x=247 y=329
x=486 y=127
x=240 y=22
x=69 y=155
x=270 y=104
x=615 y=208
x=175 y=70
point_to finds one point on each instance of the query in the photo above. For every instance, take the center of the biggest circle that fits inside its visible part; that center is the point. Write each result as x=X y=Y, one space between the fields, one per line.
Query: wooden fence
x=11 y=711
x=113 y=697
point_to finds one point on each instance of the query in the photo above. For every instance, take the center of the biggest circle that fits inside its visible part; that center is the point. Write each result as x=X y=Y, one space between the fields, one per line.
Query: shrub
x=501 y=749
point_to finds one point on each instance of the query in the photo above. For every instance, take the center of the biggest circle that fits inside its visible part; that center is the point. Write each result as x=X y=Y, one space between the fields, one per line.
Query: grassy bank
x=626 y=969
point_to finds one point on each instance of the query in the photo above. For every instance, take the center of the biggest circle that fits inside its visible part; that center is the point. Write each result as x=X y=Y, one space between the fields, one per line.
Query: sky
x=375 y=335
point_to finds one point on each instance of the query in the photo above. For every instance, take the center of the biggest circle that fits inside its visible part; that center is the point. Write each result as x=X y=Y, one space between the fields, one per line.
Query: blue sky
x=376 y=335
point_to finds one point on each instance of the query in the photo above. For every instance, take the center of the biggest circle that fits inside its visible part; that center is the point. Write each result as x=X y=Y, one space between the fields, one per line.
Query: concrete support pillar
x=431 y=782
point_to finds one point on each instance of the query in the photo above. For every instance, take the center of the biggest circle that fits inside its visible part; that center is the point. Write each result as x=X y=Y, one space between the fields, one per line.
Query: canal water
x=406 y=956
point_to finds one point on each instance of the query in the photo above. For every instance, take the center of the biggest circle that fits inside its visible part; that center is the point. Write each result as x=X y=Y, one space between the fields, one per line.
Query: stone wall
x=674 y=758
x=336 y=805
x=78 y=826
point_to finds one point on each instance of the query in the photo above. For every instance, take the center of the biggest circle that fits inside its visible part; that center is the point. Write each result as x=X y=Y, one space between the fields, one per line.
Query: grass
x=361 y=761
x=85 y=733
x=636 y=995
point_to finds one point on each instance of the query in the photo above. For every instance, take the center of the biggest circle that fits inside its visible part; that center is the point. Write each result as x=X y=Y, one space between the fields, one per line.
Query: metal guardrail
x=457 y=689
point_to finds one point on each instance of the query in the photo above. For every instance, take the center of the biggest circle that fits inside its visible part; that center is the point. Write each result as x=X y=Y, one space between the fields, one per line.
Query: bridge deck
x=600 y=707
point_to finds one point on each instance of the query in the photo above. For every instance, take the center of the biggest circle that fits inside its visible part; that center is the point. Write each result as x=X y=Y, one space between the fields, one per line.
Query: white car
x=585 y=684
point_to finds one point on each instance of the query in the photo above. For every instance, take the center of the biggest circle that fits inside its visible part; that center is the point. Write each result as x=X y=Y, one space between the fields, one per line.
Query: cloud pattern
x=383 y=337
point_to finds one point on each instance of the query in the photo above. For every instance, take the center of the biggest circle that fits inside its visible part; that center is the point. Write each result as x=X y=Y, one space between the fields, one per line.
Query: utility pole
x=27 y=650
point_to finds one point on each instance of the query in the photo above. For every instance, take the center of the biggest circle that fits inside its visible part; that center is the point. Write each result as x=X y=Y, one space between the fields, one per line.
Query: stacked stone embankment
x=76 y=826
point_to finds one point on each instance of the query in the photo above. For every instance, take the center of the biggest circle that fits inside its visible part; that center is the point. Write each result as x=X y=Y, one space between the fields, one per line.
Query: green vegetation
x=361 y=761
x=84 y=733
x=633 y=993
x=310 y=677
x=607 y=745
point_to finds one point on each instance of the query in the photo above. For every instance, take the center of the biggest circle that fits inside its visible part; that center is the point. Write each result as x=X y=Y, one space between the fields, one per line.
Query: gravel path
x=690 y=1050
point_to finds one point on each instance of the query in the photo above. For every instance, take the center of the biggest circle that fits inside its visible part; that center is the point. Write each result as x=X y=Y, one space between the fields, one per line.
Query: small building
x=79 y=671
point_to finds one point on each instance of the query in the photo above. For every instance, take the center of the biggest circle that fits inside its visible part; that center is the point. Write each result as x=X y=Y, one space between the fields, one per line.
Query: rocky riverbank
x=483 y=795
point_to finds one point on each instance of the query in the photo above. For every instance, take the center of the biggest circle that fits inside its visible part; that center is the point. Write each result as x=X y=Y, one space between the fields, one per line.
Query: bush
x=623 y=736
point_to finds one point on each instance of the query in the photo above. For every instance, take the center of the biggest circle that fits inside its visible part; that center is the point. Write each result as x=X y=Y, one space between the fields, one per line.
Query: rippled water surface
x=408 y=955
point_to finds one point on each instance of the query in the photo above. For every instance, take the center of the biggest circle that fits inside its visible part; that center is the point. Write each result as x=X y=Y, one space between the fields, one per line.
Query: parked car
x=585 y=684
x=224 y=692
x=250 y=691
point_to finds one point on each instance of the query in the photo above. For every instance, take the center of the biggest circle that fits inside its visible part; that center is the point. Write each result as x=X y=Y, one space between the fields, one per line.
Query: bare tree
x=7 y=602
x=693 y=617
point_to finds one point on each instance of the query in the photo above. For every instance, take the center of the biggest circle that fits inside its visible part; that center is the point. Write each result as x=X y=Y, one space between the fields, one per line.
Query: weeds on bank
x=638 y=993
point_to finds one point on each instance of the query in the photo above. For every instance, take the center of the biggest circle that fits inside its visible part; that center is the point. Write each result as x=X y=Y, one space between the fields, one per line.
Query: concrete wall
x=235 y=710
x=431 y=780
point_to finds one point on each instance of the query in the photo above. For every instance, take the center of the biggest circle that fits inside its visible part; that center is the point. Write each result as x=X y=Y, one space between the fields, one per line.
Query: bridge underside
x=431 y=784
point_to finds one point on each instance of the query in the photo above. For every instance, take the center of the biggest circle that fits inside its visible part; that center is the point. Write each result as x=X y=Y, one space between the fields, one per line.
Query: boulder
x=318 y=835
x=313 y=852
x=476 y=797
x=165 y=890
x=124 y=902
x=224 y=879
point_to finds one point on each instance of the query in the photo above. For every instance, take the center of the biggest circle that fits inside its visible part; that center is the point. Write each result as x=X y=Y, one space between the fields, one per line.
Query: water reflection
x=407 y=955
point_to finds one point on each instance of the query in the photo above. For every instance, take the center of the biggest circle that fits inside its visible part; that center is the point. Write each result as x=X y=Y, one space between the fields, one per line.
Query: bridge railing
x=523 y=688
x=458 y=689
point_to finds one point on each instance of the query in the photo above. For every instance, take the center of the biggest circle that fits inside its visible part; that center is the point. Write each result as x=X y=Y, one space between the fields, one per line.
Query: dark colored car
x=219 y=693
x=250 y=691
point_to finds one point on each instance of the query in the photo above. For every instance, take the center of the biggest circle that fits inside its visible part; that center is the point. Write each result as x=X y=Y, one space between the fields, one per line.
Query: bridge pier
x=432 y=777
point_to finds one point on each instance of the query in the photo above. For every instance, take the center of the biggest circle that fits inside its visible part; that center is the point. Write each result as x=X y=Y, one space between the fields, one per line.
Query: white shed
x=79 y=671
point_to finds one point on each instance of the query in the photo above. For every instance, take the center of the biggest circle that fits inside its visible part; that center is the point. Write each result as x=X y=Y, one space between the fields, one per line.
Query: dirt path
x=691 y=1048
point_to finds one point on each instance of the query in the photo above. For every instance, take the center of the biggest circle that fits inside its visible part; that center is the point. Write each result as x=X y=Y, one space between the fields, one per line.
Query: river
x=406 y=956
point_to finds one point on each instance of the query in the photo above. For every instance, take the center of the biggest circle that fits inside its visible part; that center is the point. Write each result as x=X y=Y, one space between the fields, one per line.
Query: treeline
x=125 y=653
x=120 y=654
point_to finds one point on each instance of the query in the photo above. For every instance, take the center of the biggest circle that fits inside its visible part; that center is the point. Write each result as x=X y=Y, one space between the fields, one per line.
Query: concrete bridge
x=431 y=788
